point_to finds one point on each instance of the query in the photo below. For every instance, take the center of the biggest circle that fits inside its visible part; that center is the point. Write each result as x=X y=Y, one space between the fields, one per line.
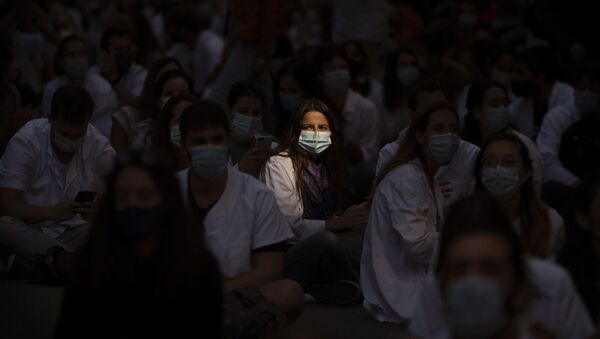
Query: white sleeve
x=138 y=82
x=105 y=158
x=269 y=226
x=17 y=164
x=386 y=154
x=548 y=142
x=281 y=181
x=408 y=206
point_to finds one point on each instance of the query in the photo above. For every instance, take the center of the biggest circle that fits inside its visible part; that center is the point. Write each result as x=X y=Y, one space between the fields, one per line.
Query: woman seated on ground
x=307 y=177
x=487 y=106
x=406 y=212
x=485 y=287
x=504 y=170
x=132 y=124
x=143 y=267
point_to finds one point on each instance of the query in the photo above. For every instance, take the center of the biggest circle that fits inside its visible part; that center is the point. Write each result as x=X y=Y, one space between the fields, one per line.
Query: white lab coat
x=105 y=99
x=459 y=172
x=133 y=79
x=29 y=165
x=400 y=241
x=555 y=123
x=558 y=307
x=245 y=218
x=522 y=108
x=362 y=124
x=279 y=175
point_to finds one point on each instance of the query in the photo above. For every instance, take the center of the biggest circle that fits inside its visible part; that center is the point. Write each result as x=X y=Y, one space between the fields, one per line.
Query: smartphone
x=265 y=142
x=85 y=196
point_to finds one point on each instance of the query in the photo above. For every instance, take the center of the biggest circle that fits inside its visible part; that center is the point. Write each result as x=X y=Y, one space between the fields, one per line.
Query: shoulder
x=468 y=149
x=358 y=101
x=138 y=69
x=33 y=131
x=98 y=140
x=279 y=160
x=97 y=83
x=404 y=176
x=548 y=278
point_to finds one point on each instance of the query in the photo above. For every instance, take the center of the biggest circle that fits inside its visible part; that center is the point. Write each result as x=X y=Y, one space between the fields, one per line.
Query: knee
x=287 y=295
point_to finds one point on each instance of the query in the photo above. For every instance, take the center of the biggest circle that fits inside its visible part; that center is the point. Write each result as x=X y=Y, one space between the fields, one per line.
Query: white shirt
x=134 y=78
x=30 y=165
x=459 y=172
x=279 y=175
x=105 y=100
x=207 y=56
x=558 y=307
x=245 y=218
x=362 y=124
x=138 y=131
x=400 y=240
x=391 y=121
x=522 y=108
x=555 y=123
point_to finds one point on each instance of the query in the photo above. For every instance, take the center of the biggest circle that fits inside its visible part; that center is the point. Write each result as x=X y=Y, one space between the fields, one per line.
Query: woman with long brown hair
x=406 y=212
x=307 y=175
x=504 y=169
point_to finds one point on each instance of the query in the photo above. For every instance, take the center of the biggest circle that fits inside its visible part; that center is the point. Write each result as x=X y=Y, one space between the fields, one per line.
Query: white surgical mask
x=314 y=142
x=209 y=161
x=65 y=144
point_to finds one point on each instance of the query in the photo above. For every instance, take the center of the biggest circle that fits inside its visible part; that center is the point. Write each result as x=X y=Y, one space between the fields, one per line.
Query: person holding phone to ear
x=45 y=168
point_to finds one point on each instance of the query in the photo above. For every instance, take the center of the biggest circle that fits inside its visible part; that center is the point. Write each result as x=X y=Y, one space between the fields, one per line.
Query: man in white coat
x=242 y=224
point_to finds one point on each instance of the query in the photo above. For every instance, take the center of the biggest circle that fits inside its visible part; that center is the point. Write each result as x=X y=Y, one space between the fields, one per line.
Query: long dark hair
x=107 y=258
x=332 y=157
x=536 y=229
x=161 y=136
x=410 y=148
x=479 y=214
x=393 y=91
x=578 y=255
x=472 y=132
x=146 y=103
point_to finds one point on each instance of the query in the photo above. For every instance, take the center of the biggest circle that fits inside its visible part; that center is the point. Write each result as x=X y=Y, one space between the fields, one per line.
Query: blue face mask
x=314 y=142
x=501 y=182
x=336 y=81
x=289 y=103
x=209 y=162
x=76 y=68
x=244 y=126
x=496 y=119
x=442 y=147
x=476 y=307
x=65 y=144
